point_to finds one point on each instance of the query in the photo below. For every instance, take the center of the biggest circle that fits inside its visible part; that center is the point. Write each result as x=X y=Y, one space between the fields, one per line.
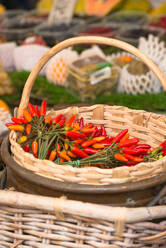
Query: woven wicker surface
x=35 y=221
x=148 y=127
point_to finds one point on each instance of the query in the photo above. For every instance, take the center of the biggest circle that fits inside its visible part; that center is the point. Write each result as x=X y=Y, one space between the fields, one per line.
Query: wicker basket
x=46 y=222
x=148 y=127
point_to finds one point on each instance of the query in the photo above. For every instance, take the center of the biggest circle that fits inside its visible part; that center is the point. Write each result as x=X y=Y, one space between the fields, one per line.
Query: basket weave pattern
x=33 y=228
x=28 y=223
x=148 y=127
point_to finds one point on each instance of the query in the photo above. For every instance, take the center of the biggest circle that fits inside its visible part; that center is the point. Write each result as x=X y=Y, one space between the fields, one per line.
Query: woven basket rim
x=105 y=176
x=75 y=187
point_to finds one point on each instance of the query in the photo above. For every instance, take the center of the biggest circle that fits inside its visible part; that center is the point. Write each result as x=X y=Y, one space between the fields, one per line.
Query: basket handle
x=84 y=40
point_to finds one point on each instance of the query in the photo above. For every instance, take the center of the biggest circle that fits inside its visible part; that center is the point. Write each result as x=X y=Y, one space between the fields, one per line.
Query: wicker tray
x=148 y=127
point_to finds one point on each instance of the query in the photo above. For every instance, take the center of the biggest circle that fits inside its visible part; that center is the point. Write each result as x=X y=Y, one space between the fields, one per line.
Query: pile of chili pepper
x=77 y=143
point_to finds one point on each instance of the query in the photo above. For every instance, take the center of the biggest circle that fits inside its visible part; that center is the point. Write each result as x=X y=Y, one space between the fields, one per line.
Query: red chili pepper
x=28 y=128
x=164 y=152
x=81 y=122
x=35 y=147
x=26 y=148
x=134 y=151
x=32 y=110
x=94 y=132
x=128 y=142
x=133 y=158
x=70 y=121
x=77 y=121
x=109 y=139
x=163 y=145
x=43 y=108
x=88 y=143
x=48 y=153
x=98 y=133
x=57 y=119
x=120 y=135
x=61 y=123
x=74 y=134
x=130 y=163
x=10 y=124
x=103 y=131
x=58 y=147
x=27 y=115
x=37 y=111
x=79 y=152
x=16 y=120
x=90 y=150
x=89 y=125
x=105 y=143
x=143 y=146
x=120 y=157
x=23 y=120
x=16 y=127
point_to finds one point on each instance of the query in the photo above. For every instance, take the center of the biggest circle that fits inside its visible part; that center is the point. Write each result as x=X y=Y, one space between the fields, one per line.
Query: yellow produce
x=2 y=9
x=3 y=106
x=161 y=9
x=80 y=8
x=136 y=5
x=45 y=4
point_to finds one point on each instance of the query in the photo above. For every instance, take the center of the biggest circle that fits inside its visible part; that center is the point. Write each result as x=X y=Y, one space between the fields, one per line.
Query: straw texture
x=148 y=127
x=25 y=222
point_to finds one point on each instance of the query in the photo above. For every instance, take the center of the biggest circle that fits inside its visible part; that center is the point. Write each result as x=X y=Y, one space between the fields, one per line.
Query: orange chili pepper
x=27 y=115
x=76 y=126
x=71 y=154
x=133 y=158
x=88 y=130
x=52 y=155
x=61 y=160
x=120 y=157
x=28 y=129
x=35 y=147
x=98 y=146
x=88 y=143
x=16 y=127
x=48 y=120
x=100 y=138
x=127 y=135
x=66 y=146
x=64 y=155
